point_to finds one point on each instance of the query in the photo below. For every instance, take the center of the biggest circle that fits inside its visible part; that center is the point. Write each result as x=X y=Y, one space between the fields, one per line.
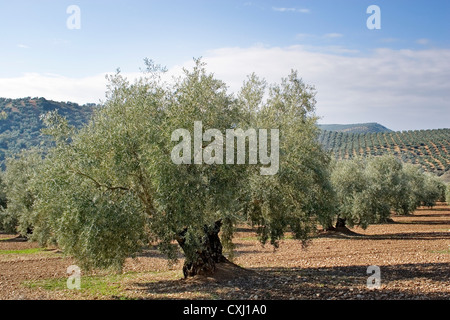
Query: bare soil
x=412 y=253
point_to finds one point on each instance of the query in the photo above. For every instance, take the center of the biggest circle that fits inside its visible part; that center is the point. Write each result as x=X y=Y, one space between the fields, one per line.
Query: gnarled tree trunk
x=340 y=223
x=206 y=257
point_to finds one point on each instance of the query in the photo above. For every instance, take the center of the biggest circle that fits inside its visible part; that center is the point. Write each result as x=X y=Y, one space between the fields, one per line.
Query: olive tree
x=387 y=185
x=367 y=189
x=447 y=194
x=350 y=182
x=413 y=181
x=18 y=178
x=432 y=190
x=112 y=187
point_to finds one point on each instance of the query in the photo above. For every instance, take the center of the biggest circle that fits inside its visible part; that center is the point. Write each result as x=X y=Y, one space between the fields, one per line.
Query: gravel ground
x=413 y=256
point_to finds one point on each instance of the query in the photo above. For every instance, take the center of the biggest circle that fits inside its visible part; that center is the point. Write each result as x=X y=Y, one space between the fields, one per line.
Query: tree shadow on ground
x=392 y=236
x=426 y=222
x=346 y=282
x=443 y=215
x=433 y=209
x=17 y=238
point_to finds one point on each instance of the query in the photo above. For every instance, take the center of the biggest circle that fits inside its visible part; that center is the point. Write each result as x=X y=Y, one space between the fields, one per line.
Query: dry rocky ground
x=413 y=255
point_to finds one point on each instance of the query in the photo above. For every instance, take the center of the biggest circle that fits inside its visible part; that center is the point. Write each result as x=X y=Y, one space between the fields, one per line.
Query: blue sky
x=397 y=75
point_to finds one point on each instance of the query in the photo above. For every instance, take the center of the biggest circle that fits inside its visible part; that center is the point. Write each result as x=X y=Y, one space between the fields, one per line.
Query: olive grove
x=180 y=164
x=368 y=190
x=109 y=189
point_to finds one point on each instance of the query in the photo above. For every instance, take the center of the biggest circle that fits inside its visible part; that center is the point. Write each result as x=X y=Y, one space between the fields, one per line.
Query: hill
x=427 y=148
x=20 y=129
x=20 y=124
x=370 y=127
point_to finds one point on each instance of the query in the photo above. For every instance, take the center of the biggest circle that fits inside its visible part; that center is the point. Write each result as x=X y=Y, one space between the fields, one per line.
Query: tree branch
x=98 y=184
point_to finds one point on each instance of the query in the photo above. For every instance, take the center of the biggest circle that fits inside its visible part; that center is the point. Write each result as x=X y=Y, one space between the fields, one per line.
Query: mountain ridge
x=20 y=123
x=368 y=127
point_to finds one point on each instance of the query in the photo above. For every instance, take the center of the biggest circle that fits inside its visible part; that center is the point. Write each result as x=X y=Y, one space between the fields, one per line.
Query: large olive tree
x=113 y=186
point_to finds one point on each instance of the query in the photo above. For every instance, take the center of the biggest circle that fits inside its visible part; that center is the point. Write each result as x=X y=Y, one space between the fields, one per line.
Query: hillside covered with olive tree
x=20 y=123
x=20 y=128
x=429 y=149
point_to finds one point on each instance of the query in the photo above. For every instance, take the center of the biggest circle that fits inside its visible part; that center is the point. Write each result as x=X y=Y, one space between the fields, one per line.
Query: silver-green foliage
x=369 y=189
x=110 y=188
x=433 y=190
x=300 y=196
x=366 y=189
x=447 y=194
x=21 y=171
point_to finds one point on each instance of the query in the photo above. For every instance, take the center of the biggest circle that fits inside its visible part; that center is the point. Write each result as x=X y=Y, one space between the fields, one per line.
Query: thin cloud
x=423 y=41
x=389 y=40
x=303 y=36
x=333 y=35
x=23 y=46
x=291 y=10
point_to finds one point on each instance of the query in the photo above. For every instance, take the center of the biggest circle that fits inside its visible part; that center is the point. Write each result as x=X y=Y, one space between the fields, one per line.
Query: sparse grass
x=255 y=238
x=108 y=285
x=6 y=239
x=445 y=251
x=23 y=251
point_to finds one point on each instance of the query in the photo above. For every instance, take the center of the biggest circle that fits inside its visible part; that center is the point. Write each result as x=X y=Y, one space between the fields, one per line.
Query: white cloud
x=402 y=89
x=423 y=41
x=333 y=35
x=55 y=87
x=23 y=46
x=291 y=10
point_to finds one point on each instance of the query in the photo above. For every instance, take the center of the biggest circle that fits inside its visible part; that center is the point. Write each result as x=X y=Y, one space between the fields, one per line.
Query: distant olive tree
x=349 y=181
x=413 y=183
x=442 y=189
x=110 y=188
x=18 y=178
x=432 y=190
x=447 y=194
x=368 y=190
x=386 y=185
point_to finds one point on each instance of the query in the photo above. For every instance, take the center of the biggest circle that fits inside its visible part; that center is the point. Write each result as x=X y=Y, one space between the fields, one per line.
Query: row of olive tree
x=369 y=189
